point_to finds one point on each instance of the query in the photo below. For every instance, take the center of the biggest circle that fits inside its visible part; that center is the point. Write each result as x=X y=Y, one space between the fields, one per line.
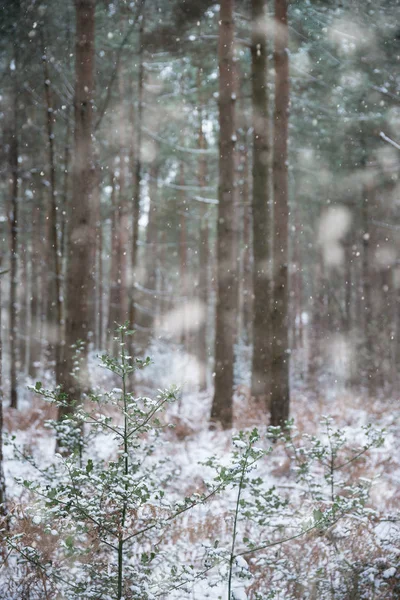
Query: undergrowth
x=120 y=528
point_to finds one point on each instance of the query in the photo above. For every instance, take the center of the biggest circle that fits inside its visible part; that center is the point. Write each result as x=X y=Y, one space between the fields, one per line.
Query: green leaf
x=89 y=466
x=318 y=515
x=38 y=386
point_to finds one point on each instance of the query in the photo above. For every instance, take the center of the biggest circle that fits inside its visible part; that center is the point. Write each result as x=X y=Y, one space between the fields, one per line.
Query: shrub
x=112 y=529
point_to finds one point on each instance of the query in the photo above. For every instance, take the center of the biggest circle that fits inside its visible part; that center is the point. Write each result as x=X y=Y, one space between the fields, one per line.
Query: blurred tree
x=81 y=226
x=261 y=365
x=280 y=388
x=225 y=326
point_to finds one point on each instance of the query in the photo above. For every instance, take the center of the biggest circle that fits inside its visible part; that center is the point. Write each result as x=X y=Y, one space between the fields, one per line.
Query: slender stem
x=232 y=556
x=126 y=471
x=284 y=540
x=41 y=567
x=331 y=464
x=175 y=515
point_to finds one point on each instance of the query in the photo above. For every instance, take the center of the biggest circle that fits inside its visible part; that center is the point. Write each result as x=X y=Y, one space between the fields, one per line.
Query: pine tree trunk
x=202 y=334
x=14 y=242
x=2 y=479
x=183 y=258
x=280 y=392
x=137 y=181
x=81 y=229
x=225 y=324
x=369 y=338
x=114 y=295
x=150 y=293
x=261 y=364
x=123 y=204
x=54 y=274
x=35 y=287
x=99 y=338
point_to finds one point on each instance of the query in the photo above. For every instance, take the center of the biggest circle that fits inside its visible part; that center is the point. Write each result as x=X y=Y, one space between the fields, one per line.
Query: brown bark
x=183 y=259
x=115 y=289
x=2 y=479
x=261 y=364
x=23 y=294
x=369 y=337
x=81 y=230
x=137 y=180
x=54 y=295
x=280 y=391
x=123 y=205
x=35 y=334
x=150 y=292
x=225 y=324
x=99 y=338
x=202 y=336
x=14 y=242
x=246 y=293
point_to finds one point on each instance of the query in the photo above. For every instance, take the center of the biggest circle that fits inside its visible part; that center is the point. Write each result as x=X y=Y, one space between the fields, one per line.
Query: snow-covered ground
x=373 y=543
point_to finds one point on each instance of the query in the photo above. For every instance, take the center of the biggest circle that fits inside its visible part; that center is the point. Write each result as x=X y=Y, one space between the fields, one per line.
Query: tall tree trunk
x=35 y=334
x=138 y=180
x=99 y=337
x=247 y=261
x=2 y=479
x=13 y=226
x=54 y=273
x=261 y=364
x=369 y=337
x=202 y=334
x=114 y=298
x=149 y=300
x=280 y=391
x=225 y=325
x=22 y=295
x=81 y=230
x=183 y=259
x=123 y=207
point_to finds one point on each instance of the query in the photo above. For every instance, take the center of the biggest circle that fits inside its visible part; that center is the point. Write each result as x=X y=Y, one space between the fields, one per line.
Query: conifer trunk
x=137 y=180
x=81 y=230
x=225 y=325
x=14 y=242
x=280 y=391
x=202 y=334
x=261 y=364
x=2 y=479
x=54 y=273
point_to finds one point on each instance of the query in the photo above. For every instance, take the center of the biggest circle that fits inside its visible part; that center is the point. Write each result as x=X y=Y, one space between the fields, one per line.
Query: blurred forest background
x=225 y=177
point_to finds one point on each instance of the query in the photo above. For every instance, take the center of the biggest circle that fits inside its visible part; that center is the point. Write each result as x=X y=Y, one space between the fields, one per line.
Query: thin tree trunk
x=22 y=294
x=246 y=265
x=36 y=288
x=54 y=274
x=99 y=256
x=261 y=364
x=280 y=390
x=183 y=259
x=225 y=323
x=202 y=336
x=369 y=338
x=138 y=180
x=123 y=208
x=114 y=295
x=81 y=230
x=3 y=509
x=149 y=300
x=14 y=242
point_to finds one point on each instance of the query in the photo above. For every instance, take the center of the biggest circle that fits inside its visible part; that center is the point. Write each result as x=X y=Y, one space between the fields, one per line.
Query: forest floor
x=191 y=442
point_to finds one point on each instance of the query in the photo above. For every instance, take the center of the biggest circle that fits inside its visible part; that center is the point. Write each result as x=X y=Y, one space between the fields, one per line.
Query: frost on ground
x=312 y=515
